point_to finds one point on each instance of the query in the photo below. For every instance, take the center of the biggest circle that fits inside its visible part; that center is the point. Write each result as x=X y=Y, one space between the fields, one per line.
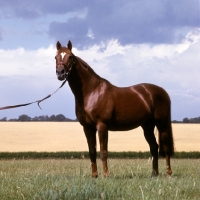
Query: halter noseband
x=69 y=66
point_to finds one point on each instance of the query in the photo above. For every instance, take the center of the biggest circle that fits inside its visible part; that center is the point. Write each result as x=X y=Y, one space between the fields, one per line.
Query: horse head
x=64 y=60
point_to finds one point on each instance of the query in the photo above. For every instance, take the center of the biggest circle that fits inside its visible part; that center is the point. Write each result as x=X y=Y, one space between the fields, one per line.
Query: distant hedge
x=85 y=155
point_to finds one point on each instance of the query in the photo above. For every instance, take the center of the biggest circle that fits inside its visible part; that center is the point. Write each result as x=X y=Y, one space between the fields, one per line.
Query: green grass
x=71 y=179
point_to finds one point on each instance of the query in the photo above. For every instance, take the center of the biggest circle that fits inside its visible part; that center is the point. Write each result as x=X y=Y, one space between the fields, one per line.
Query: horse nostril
x=60 y=71
x=63 y=71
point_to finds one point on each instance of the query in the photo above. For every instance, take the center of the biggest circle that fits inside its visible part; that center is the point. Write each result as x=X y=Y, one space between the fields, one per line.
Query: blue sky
x=126 y=42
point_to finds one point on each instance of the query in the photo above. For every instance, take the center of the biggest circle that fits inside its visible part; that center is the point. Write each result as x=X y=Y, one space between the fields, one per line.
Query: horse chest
x=83 y=117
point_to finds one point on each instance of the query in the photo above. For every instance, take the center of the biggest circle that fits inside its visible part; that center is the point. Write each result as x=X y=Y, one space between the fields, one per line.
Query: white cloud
x=164 y=64
x=27 y=62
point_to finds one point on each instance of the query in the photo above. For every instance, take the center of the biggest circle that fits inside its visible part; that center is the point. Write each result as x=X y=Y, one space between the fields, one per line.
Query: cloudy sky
x=127 y=42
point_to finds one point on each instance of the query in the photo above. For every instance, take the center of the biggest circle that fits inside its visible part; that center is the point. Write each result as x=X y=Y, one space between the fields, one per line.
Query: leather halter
x=68 y=65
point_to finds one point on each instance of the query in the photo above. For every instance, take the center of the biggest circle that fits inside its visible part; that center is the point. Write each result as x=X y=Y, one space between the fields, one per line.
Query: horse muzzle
x=61 y=73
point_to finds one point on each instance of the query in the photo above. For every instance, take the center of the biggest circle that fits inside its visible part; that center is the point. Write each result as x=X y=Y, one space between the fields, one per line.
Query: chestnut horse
x=101 y=106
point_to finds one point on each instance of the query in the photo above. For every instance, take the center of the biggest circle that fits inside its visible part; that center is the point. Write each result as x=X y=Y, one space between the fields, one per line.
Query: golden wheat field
x=69 y=136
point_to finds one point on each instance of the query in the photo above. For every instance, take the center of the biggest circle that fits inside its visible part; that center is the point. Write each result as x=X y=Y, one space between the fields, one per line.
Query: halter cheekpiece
x=69 y=66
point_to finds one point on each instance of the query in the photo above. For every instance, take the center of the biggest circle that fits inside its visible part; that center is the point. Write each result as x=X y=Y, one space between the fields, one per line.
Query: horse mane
x=86 y=66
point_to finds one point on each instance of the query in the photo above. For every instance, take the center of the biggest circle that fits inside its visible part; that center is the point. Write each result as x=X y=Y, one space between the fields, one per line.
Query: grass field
x=70 y=179
x=69 y=136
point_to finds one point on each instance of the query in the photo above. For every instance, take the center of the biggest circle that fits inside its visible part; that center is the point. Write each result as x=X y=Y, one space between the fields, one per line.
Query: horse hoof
x=169 y=172
x=94 y=175
x=105 y=175
x=154 y=173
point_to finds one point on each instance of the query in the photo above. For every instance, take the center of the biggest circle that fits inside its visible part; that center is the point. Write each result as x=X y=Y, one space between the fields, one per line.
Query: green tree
x=186 y=120
x=24 y=118
x=4 y=119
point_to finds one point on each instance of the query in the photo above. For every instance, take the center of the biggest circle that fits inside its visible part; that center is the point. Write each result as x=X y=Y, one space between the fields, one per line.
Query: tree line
x=189 y=120
x=43 y=118
x=62 y=118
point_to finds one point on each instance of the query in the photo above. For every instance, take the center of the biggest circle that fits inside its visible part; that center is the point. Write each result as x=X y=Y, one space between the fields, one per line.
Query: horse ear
x=58 y=45
x=69 y=45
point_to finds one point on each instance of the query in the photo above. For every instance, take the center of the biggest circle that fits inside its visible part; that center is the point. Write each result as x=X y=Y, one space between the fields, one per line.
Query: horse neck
x=82 y=80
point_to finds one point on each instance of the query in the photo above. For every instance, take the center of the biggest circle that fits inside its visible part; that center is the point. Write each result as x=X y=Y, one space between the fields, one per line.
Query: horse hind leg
x=163 y=143
x=148 y=128
x=166 y=144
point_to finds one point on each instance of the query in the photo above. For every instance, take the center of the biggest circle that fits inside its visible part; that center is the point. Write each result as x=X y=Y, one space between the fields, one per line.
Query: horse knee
x=93 y=156
x=154 y=150
x=164 y=137
x=165 y=142
x=103 y=155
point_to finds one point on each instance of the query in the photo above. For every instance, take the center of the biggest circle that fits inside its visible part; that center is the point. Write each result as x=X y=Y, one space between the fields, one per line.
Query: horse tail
x=166 y=140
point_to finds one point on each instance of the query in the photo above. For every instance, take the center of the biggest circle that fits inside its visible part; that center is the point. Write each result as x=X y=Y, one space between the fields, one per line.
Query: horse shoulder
x=99 y=103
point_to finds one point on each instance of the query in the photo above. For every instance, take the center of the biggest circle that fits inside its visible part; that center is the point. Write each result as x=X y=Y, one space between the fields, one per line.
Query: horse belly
x=122 y=127
x=129 y=117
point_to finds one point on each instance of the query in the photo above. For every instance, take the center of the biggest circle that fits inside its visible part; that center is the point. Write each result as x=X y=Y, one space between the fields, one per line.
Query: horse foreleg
x=103 y=140
x=168 y=170
x=91 y=140
x=155 y=164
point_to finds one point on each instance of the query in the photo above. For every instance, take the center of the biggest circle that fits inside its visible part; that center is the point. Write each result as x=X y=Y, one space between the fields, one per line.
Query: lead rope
x=38 y=102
